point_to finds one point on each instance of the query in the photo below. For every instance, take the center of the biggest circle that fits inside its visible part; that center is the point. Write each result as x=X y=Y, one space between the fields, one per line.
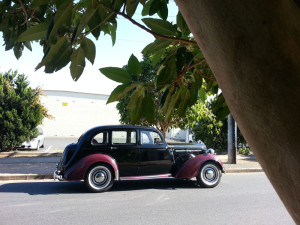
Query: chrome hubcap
x=99 y=177
x=209 y=174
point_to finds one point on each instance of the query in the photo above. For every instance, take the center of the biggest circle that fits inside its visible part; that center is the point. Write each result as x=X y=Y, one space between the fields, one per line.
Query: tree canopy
x=63 y=28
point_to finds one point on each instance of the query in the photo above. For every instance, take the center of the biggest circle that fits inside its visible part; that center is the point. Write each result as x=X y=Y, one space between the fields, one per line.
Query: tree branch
x=25 y=12
x=156 y=35
x=196 y=64
x=202 y=75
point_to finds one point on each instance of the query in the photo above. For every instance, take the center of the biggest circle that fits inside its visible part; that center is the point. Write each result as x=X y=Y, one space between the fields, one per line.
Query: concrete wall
x=76 y=112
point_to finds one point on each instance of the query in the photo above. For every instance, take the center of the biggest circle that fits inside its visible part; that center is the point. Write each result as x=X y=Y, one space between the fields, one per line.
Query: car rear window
x=100 y=138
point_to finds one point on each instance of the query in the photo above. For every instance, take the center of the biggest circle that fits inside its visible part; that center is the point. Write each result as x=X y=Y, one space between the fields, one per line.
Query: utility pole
x=232 y=140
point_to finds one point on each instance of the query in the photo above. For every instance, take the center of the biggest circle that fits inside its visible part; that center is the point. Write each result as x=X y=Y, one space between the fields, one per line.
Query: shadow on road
x=48 y=188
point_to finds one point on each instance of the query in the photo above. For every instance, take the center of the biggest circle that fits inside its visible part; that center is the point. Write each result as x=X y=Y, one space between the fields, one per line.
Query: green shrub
x=20 y=110
x=243 y=150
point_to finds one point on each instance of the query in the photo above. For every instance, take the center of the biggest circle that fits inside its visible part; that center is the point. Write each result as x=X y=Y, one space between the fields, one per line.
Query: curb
x=245 y=170
x=29 y=154
x=6 y=177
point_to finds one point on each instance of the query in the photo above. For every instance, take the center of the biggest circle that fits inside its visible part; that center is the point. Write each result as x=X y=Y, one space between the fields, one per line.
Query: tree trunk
x=253 y=49
x=164 y=129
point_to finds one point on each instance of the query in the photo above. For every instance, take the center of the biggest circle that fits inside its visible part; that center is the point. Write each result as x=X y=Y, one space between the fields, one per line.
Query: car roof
x=122 y=127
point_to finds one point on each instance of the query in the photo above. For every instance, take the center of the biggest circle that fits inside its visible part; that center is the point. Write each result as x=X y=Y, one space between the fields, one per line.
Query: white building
x=76 y=112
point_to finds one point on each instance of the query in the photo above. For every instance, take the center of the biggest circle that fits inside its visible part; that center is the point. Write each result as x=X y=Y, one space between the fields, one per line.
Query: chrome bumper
x=57 y=176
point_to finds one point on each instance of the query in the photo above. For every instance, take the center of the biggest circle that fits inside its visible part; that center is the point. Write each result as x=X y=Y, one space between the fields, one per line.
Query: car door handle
x=113 y=148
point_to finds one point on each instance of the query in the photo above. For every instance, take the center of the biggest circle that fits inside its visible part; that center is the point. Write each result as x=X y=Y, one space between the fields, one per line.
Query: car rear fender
x=79 y=169
x=191 y=167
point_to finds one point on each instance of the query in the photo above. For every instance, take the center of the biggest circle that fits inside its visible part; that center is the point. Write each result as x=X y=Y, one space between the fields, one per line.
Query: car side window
x=150 y=138
x=123 y=137
x=99 y=139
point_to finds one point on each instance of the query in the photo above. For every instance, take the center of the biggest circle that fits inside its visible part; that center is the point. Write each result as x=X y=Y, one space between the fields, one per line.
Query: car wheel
x=99 y=178
x=209 y=175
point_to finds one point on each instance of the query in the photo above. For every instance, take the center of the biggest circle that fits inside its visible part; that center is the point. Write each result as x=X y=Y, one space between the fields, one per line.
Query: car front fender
x=191 y=167
x=79 y=169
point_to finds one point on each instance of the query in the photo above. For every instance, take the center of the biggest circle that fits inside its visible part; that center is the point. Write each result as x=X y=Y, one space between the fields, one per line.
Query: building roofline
x=77 y=92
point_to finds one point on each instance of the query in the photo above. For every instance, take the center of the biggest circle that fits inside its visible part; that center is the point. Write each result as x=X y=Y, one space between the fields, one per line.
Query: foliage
x=243 y=150
x=147 y=75
x=63 y=27
x=20 y=110
x=205 y=126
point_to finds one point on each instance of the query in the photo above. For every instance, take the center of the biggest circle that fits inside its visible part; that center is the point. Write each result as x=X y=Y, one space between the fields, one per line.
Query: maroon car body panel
x=191 y=168
x=79 y=169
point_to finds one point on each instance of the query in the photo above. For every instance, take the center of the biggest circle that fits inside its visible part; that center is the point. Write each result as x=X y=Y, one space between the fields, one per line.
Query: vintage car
x=106 y=154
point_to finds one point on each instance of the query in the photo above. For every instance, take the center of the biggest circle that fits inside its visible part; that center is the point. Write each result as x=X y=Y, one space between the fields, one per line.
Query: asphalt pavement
x=22 y=165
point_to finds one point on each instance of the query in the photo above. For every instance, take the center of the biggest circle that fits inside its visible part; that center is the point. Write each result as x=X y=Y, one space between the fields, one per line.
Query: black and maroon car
x=107 y=153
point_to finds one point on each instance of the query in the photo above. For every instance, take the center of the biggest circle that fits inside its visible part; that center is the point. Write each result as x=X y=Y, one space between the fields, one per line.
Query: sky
x=130 y=40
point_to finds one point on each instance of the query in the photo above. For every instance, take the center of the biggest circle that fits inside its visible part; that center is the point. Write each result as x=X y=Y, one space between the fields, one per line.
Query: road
x=239 y=199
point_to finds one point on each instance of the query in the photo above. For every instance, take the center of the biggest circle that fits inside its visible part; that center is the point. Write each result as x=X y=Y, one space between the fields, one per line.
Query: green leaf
x=86 y=17
x=163 y=11
x=180 y=57
x=157 y=45
x=134 y=65
x=146 y=8
x=36 y=3
x=164 y=97
x=202 y=95
x=120 y=91
x=167 y=72
x=136 y=104
x=148 y=108
x=77 y=63
x=131 y=6
x=168 y=100
x=28 y=45
x=222 y=113
x=198 y=79
x=18 y=49
x=113 y=33
x=117 y=4
x=62 y=18
x=171 y=106
x=160 y=26
x=193 y=95
x=184 y=99
x=154 y=7
x=116 y=74
x=57 y=57
x=89 y=49
x=199 y=56
x=182 y=25
x=34 y=33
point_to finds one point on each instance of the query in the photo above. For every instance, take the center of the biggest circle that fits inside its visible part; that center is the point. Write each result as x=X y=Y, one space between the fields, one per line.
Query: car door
x=124 y=150
x=154 y=157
